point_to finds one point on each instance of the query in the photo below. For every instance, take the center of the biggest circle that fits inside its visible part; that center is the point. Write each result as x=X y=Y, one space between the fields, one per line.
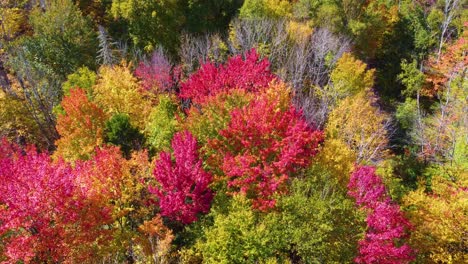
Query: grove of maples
x=233 y=131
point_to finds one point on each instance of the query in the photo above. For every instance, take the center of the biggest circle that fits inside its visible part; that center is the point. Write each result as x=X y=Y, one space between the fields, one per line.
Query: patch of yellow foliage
x=299 y=32
x=12 y=21
x=361 y=126
x=337 y=158
x=440 y=221
x=351 y=76
x=118 y=91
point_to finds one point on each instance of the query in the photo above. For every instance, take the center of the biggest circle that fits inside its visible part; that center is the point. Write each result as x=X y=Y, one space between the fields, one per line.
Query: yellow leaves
x=254 y=9
x=299 y=32
x=12 y=21
x=16 y=121
x=118 y=91
x=279 y=93
x=278 y=8
x=440 y=221
x=361 y=126
x=338 y=158
x=350 y=76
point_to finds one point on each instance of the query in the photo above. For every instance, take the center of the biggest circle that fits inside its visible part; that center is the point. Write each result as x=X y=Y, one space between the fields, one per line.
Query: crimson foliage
x=251 y=74
x=157 y=75
x=183 y=192
x=44 y=216
x=262 y=146
x=386 y=225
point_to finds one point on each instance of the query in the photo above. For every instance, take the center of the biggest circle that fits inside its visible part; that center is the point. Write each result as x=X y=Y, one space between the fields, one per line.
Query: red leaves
x=386 y=224
x=157 y=75
x=262 y=146
x=184 y=191
x=250 y=74
x=366 y=187
x=43 y=209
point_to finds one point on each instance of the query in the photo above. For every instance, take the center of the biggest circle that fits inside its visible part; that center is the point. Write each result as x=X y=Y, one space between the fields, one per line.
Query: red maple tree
x=386 y=225
x=262 y=147
x=251 y=74
x=183 y=192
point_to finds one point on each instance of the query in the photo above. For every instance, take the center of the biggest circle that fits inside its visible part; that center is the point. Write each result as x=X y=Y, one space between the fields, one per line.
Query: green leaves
x=120 y=132
x=411 y=77
x=162 y=123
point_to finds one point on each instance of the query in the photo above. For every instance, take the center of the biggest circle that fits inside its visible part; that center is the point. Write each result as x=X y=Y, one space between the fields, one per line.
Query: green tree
x=315 y=223
x=210 y=15
x=162 y=123
x=83 y=78
x=254 y=9
x=120 y=132
x=62 y=40
x=151 y=23
x=241 y=236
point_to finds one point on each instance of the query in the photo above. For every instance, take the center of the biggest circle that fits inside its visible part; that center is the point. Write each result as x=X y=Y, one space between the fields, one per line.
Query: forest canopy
x=233 y=131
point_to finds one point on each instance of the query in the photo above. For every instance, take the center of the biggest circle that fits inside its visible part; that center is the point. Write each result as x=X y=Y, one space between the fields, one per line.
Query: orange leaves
x=81 y=127
x=452 y=62
x=159 y=237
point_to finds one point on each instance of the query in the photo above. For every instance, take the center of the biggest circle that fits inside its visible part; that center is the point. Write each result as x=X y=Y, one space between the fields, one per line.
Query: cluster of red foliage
x=184 y=191
x=250 y=74
x=157 y=75
x=386 y=224
x=262 y=146
x=44 y=212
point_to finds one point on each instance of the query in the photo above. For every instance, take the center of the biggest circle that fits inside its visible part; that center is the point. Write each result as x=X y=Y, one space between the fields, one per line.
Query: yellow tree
x=16 y=123
x=13 y=21
x=117 y=91
x=350 y=76
x=337 y=158
x=361 y=126
x=440 y=220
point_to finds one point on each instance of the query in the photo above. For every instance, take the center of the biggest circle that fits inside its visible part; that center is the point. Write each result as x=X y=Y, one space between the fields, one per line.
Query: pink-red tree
x=157 y=75
x=183 y=190
x=386 y=225
x=250 y=74
x=263 y=145
x=43 y=213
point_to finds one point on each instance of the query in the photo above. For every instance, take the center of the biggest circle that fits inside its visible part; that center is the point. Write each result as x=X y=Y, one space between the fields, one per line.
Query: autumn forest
x=232 y=131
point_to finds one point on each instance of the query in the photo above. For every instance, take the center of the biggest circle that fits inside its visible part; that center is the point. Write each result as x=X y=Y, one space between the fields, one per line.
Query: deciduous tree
x=117 y=91
x=183 y=190
x=250 y=74
x=81 y=127
x=369 y=138
x=263 y=145
x=386 y=224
